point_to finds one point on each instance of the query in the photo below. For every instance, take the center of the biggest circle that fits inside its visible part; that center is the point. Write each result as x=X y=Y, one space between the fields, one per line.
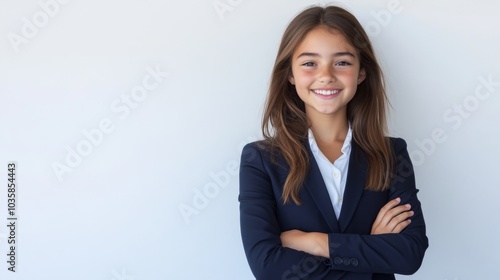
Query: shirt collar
x=345 y=147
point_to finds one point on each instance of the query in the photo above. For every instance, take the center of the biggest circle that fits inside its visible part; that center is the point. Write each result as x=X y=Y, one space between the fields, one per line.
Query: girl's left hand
x=314 y=243
x=392 y=218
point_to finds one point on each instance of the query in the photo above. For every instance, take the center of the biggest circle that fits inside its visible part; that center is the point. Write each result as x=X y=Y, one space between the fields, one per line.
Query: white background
x=116 y=215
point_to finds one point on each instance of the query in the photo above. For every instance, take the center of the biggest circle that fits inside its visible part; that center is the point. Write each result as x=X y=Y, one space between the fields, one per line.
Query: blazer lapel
x=316 y=187
x=355 y=185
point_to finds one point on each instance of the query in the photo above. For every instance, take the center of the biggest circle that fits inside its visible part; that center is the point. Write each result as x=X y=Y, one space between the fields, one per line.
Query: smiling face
x=326 y=72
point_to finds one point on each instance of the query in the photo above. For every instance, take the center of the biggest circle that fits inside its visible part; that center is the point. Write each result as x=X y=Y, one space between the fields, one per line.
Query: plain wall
x=126 y=120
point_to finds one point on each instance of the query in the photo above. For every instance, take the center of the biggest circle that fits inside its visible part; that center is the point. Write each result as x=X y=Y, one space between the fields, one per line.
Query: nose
x=326 y=75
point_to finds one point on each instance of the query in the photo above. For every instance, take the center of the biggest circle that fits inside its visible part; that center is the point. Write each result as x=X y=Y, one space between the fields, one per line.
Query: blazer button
x=337 y=260
x=346 y=261
x=354 y=262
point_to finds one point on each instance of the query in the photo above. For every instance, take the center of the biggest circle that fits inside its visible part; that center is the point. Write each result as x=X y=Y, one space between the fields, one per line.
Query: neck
x=329 y=128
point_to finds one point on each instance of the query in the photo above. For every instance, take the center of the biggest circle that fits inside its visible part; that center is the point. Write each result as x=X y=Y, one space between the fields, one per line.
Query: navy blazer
x=354 y=253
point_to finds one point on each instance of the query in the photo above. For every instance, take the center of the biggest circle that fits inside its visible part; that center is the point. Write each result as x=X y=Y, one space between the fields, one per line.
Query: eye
x=343 y=63
x=309 y=64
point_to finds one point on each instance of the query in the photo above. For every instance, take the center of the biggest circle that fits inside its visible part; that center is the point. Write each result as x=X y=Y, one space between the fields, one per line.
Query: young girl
x=326 y=195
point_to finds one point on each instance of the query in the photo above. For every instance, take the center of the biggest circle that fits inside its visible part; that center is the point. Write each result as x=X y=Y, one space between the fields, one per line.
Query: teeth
x=326 y=92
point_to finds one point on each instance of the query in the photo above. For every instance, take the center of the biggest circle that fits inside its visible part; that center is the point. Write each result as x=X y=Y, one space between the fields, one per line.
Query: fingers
x=395 y=216
x=394 y=212
x=400 y=222
x=402 y=225
x=383 y=211
x=392 y=218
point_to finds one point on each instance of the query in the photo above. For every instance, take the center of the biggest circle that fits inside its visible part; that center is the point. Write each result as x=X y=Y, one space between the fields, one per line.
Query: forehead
x=323 y=40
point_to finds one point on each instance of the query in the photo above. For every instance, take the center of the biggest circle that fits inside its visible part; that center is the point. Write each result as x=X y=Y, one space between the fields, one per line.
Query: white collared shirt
x=334 y=175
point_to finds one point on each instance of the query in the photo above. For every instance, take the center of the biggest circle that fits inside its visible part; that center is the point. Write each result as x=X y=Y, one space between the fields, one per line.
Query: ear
x=291 y=79
x=361 y=76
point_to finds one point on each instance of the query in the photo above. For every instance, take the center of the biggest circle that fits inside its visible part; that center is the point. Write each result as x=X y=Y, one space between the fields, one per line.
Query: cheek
x=304 y=77
x=348 y=77
x=350 y=81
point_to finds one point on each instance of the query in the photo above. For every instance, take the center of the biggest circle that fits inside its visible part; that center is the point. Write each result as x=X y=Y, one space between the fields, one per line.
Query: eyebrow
x=317 y=55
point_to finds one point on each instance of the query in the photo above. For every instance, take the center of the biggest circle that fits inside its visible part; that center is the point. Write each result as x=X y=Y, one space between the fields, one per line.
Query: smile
x=326 y=92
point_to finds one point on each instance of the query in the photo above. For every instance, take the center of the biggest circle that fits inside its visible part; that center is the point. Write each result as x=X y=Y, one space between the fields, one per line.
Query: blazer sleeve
x=260 y=228
x=386 y=253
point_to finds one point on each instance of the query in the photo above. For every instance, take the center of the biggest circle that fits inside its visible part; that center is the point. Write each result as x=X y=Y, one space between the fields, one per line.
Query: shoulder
x=398 y=144
x=258 y=146
x=262 y=152
x=261 y=160
x=261 y=146
x=256 y=150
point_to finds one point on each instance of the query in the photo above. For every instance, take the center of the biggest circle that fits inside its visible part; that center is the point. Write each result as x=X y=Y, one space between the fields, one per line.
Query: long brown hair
x=285 y=124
